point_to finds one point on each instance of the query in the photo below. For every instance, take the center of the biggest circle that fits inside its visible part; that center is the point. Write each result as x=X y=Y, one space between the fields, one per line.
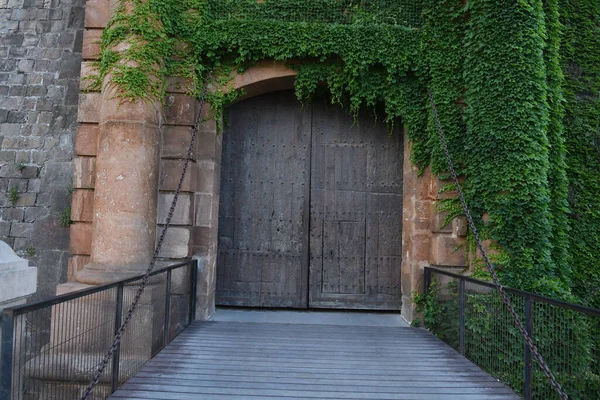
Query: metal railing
x=51 y=348
x=468 y=314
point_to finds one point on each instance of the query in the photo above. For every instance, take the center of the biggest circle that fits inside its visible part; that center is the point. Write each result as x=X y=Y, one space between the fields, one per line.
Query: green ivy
x=494 y=69
x=580 y=51
x=565 y=338
x=508 y=146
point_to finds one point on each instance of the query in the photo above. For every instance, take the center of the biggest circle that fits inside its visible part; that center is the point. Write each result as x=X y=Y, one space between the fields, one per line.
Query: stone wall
x=426 y=240
x=40 y=59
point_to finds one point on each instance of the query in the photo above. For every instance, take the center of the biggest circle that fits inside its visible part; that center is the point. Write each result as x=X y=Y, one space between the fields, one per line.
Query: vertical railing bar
x=167 y=309
x=117 y=355
x=528 y=370
x=193 y=290
x=461 y=333
x=8 y=324
x=6 y=349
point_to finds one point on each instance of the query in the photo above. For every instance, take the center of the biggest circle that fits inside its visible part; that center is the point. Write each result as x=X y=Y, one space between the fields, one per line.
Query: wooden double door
x=310 y=207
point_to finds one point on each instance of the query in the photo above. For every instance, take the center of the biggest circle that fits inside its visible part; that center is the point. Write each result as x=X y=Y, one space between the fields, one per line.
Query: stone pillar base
x=93 y=274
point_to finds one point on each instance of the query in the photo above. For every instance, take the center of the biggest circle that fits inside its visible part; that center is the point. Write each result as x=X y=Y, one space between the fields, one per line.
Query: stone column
x=126 y=189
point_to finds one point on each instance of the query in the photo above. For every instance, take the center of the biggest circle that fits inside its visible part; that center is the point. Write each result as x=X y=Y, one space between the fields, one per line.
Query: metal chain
x=538 y=357
x=117 y=338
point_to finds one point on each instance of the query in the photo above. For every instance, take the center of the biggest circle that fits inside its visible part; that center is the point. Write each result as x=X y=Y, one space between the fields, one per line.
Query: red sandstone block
x=170 y=173
x=180 y=109
x=208 y=145
x=460 y=226
x=89 y=74
x=437 y=223
x=177 y=243
x=184 y=210
x=97 y=13
x=86 y=141
x=201 y=236
x=81 y=238
x=206 y=177
x=82 y=206
x=89 y=107
x=421 y=247
x=204 y=210
x=84 y=173
x=445 y=251
x=91 y=44
x=76 y=263
x=119 y=110
x=176 y=140
x=438 y=185
x=180 y=85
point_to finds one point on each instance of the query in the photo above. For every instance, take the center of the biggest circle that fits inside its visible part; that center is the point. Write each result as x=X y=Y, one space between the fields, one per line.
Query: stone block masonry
x=40 y=61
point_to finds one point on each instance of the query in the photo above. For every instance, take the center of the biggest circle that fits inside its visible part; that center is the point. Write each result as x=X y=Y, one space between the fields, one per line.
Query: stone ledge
x=17 y=279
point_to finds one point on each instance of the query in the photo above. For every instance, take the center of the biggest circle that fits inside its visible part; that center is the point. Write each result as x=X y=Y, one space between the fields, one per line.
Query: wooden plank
x=310 y=379
x=324 y=389
x=230 y=360
x=149 y=395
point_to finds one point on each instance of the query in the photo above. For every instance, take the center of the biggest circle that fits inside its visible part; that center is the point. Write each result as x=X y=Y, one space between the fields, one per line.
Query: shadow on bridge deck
x=245 y=355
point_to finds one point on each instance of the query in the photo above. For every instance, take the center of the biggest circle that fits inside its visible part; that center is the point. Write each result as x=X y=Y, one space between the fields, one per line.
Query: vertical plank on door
x=264 y=183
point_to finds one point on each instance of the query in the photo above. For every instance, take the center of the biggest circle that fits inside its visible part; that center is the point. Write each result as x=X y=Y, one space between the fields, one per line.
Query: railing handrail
x=560 y=303
x=38 y=305
x=9 y=315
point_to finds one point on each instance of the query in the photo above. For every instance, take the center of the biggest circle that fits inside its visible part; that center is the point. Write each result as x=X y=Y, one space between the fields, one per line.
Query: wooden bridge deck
x=244 y=360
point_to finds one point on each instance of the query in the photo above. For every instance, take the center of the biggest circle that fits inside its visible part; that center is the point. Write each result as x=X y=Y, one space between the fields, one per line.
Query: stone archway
x=194 y=234
x=418 y=237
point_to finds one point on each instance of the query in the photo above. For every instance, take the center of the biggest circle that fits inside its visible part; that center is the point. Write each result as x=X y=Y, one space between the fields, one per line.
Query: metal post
x=527 y=389
x=167 y=309
x=117 y=354
x=8 y=324
x=461 y=333
x=193 y=290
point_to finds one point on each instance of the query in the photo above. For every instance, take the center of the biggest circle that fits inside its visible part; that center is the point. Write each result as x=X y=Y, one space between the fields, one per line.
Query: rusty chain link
x=117 y=338
x=538 y=357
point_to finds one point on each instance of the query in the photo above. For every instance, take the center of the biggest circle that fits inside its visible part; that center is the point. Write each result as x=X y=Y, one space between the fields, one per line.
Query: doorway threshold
x=309 y=317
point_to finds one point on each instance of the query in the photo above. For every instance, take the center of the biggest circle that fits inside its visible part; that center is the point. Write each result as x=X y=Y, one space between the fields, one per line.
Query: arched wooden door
x=310 y=207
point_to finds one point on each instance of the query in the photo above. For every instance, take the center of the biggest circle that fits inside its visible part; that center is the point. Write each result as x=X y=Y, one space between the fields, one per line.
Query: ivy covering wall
x=516 y=84
x=580 y=52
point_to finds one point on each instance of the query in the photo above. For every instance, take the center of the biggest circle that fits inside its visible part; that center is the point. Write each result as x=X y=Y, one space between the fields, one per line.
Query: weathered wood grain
x=232 y=360
x=264 y=204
